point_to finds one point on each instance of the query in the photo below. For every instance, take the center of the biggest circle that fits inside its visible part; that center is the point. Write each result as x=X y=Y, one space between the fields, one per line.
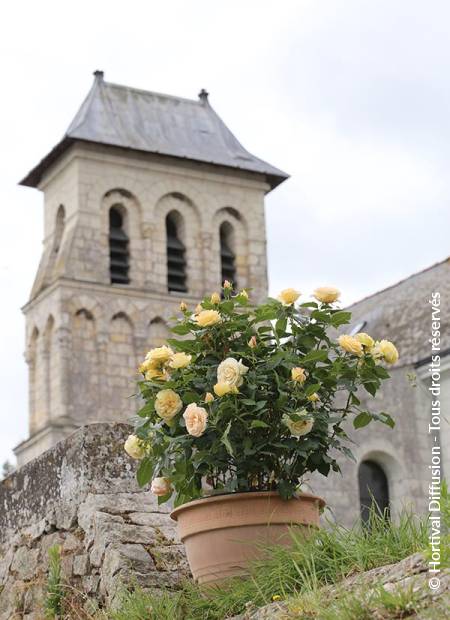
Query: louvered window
x=176 y=259
x=227 y=256
x=373 y=490
x=119 y=253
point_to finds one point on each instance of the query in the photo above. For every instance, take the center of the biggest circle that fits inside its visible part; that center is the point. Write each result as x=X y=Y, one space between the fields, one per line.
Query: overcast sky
x=350 y=97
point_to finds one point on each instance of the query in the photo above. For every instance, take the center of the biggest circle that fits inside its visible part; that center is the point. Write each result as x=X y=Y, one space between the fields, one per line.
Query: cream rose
x=327 y=294
x=209 y=398
x=231 y=371
x=183 y=307
x=288 y=296
x=300 y=427
x=252 y=343
x=207 y=318
x=180 y=360
x=365 y=340
x=244 y=293
x=160 y=355
x=134 y=447
x=215 y=298
x=298 y=374
x=351 y=345
x=167 y=404
x=160 y=486
x=386 y=350
x=195 y=418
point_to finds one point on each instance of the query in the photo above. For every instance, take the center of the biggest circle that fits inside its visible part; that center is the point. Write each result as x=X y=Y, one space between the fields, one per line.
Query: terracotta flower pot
x=222 y=534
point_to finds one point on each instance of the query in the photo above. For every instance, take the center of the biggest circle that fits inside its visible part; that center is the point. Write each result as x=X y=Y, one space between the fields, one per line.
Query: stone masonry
x=82 y=496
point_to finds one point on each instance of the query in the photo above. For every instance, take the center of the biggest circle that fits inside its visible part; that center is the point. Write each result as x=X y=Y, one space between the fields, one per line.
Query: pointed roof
x=151 y=122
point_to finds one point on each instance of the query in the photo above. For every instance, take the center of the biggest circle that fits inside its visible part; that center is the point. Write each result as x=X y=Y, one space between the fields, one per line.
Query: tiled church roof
x=402 y=313
x=151 y=122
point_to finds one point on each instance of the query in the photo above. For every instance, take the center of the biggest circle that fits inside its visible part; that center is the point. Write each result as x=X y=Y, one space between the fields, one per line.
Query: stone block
x=25 y=563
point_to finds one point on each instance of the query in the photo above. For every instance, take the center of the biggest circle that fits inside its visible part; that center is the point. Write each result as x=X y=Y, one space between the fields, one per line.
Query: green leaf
x=144 y=472
x=227 y=306
x=181 y=330
x=371 y=387
x=258 y=424
x=280 y=326
x=340 y=318
x=147 y=409
x=386 y=419
x=226 y=442
x=312 y=388
x=362 y=419
x=315 y=356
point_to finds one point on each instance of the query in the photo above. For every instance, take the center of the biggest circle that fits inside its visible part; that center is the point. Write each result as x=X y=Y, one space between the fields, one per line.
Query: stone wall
x=81 y=495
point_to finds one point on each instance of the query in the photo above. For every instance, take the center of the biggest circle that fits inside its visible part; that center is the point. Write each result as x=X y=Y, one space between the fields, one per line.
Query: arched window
x=119 y=253
x=227 y=256
x=373 y=490
x=59 y=228
x=176 y=260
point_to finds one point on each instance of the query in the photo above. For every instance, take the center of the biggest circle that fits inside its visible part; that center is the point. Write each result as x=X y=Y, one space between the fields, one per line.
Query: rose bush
x=253 y=398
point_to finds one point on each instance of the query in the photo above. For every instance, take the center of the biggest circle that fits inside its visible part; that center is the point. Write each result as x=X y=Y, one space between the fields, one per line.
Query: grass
x=322 y=559
x=55 y=591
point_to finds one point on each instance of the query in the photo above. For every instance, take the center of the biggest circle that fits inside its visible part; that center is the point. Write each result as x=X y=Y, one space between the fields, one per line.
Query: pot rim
x=223 y=497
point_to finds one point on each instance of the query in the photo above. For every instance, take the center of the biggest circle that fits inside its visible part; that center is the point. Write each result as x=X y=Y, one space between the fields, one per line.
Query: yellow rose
x=167 y=404
x=365 y=340
x=160 y=486
x=155 y=372
x=244 y=293
x=134 y=447
x=288 y=296
x=300 y=427
x=313 y=398
x=160 y=355
x=207 y=318
x=209 y=397
x=231 y=371
x=198 y=308
x=386 y=350
x=195 y=418
x=327 y=294
x=351 y=345
x=180 y=360
x=183 y=307
x=220 y=389
x=298 y=374
x=252 y=342
x=215 y=298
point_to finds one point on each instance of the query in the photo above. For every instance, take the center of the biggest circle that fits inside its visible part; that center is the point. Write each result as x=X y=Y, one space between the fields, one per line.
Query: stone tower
x=149 y=199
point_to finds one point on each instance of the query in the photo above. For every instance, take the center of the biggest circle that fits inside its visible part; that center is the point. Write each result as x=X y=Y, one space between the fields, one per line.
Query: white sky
x=351 y=97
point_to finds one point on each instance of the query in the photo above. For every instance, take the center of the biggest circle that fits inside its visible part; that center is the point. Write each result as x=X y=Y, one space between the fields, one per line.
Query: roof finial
x=203 y=95
x=99 y=74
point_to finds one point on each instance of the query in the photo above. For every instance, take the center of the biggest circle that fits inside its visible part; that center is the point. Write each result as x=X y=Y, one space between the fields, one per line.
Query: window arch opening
x=373 y=491
x=227 y=255
x=119 y=253
x=176 y=255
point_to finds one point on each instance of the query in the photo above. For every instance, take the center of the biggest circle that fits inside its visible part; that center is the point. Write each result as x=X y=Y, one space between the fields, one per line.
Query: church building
x=149 y=200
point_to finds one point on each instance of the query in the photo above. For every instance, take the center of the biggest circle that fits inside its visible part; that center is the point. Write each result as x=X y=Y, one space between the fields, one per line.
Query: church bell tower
x=149 y=200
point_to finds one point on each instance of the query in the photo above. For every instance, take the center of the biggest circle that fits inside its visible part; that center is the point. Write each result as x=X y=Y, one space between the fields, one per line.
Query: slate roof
x=402 y=313
x=152 y=122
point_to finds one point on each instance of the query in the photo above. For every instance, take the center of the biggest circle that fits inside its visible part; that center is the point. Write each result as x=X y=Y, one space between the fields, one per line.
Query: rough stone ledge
x=82 y=496
x=91 y=460
x=410 y=572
